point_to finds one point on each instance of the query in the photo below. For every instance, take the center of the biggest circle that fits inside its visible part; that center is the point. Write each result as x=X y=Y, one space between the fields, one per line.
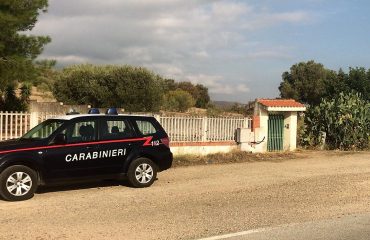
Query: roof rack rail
x=72 y=112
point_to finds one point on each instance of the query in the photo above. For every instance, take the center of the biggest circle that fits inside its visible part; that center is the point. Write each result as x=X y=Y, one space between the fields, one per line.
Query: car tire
x=142 y=172
x=18 y=183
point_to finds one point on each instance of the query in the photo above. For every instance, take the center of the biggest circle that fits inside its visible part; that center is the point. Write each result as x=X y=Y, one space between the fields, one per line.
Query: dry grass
x=233 y=157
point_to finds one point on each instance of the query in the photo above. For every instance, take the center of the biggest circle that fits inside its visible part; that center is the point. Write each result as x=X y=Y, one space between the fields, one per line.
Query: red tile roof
x=280 y=103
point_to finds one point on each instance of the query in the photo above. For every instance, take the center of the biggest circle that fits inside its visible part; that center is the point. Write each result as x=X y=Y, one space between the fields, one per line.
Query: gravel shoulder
x=198 y=201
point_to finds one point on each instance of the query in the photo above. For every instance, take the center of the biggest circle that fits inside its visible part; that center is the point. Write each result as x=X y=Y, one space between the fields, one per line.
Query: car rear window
x=146 y=127
x=83 y=131
x=115 y=129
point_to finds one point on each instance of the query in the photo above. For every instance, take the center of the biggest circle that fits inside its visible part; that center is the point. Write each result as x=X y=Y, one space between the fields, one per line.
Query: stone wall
x=56 y=107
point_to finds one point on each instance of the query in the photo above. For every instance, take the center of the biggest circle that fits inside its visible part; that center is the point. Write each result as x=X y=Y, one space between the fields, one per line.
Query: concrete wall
x=262 y=131
x=56 y=107
x=202 y=148
x=60 y=108
x=290 y=131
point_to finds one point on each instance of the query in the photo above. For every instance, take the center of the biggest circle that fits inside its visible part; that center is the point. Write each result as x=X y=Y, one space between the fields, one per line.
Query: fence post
x=245 y=123
x=204 y=129
x=34 y=119
x=6 y=125
x=158 y=117
x=1 y=125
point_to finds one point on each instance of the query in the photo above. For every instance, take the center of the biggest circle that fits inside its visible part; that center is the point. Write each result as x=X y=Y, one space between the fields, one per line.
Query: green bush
x=178 y=100
x=345 y=120
x=134 y=88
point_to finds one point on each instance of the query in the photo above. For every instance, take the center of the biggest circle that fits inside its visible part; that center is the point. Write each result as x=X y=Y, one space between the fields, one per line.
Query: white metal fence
x=179 y=128
x=202 y=129
x=13 y=124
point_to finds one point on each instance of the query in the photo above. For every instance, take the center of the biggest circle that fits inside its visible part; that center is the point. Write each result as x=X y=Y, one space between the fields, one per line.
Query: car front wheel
x=142 y=172
x=18 y=183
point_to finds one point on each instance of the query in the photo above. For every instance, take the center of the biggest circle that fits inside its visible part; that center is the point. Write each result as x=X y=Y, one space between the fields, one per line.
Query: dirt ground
x=233 y=157
x=198 y=201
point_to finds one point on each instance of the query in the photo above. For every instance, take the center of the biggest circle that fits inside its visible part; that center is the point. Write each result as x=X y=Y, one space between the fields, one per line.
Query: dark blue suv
x=84 y=147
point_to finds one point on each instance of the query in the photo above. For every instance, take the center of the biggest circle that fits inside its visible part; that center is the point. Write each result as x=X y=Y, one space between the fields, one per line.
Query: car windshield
x=44 y=129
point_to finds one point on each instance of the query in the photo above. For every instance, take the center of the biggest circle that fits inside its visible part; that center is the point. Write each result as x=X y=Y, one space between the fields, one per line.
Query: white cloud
x=228 y=11
x=269 y=54
x=137 y=53
x=201 y=54
x=167 y=70
x=70 y=59
x=267 y=19
x=216 y=84
x=293 y=17
x=180 y=39
x=243 y=88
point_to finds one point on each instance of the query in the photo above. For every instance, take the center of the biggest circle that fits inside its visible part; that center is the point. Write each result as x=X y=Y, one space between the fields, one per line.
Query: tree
x=199 y=92
x=18 y=50
x=203 y=98
x=133 y=88
x=169 y=85
x=46 y=76
x=178 y=100
x=359 y=80
x=335 y=83
x=10 y=101
x=309 y=82
x=305 y=82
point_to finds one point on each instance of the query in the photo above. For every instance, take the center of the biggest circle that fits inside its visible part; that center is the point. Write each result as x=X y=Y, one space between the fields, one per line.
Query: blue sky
x=238 y=49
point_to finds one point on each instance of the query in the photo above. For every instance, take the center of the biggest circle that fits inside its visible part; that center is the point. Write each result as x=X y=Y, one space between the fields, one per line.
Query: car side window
x=115 y=129
x=145 y=127
x=84 y=131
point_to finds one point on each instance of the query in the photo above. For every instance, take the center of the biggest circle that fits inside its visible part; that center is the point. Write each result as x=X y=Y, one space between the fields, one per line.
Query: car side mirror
x=60 y=139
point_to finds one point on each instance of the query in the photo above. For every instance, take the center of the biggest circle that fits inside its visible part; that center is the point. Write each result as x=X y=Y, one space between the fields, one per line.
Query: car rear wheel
x=142 y=172
x=18 y=183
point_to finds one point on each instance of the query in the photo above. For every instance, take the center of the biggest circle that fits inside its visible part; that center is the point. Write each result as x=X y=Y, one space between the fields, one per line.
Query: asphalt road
x=204 y=201
x=355 y=227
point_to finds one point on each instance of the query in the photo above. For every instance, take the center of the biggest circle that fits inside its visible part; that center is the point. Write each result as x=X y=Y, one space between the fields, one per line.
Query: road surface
x=204 y=201
x=340 y=228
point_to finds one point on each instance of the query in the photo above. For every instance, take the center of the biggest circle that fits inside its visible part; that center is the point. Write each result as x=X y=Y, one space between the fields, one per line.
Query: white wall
x=202 y=150
x=263 y=129
x=290 y=134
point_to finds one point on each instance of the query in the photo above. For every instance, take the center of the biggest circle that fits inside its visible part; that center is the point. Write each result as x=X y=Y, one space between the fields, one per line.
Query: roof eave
x=285 y=109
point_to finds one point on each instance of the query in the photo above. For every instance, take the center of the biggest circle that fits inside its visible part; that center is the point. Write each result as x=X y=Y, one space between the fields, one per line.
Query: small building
x=277 y=122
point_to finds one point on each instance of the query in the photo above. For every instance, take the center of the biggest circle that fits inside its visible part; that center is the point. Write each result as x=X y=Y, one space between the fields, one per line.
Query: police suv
x=84 y=147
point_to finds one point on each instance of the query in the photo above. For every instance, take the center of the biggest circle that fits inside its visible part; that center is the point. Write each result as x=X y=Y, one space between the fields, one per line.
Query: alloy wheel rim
x=144 y=173
x=19 y=184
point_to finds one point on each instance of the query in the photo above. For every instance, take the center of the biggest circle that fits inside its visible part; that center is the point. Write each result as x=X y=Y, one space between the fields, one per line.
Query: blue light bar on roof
x=111 y=111
x=93 y=111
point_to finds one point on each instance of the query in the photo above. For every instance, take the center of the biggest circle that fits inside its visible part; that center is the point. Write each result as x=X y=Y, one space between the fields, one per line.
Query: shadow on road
x=81 y=185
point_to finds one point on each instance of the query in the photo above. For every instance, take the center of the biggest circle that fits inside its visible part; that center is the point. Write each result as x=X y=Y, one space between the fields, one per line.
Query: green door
x=275 y=133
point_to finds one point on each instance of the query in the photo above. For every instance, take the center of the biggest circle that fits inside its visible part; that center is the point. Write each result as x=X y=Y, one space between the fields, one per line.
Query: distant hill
x=225 y=104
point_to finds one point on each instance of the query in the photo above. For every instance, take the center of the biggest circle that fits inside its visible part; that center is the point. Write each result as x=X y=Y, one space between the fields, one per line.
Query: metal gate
x=275 y=133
